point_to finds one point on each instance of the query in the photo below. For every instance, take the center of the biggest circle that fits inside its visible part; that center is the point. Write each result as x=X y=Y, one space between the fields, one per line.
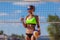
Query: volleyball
x=36 y=34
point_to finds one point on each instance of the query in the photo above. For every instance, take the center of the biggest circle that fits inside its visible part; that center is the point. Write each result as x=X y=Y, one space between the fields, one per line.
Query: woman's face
x=30 y=11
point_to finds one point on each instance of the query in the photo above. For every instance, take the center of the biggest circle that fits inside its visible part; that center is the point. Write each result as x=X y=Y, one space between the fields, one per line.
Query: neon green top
x=31 y=21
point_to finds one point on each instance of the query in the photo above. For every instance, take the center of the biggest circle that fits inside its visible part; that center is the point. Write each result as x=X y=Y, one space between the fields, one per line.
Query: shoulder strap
x=36 y=18
x=26 y=17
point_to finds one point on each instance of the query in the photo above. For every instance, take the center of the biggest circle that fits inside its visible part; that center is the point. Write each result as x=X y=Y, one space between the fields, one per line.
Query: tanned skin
x=29 y=27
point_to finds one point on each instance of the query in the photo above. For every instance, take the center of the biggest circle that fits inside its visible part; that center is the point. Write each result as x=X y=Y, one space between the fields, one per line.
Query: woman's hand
x=39 y=32
x=22 y=19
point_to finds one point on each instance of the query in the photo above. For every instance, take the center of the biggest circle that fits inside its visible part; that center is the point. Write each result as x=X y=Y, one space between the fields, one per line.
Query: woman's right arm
x=24 y=24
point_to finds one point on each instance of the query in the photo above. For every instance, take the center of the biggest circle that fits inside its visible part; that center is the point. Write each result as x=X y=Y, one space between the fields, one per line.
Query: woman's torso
x=30 y=27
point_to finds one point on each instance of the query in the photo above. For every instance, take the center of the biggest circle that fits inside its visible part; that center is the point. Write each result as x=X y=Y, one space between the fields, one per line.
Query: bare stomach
x=30 y=28
x=29 y=31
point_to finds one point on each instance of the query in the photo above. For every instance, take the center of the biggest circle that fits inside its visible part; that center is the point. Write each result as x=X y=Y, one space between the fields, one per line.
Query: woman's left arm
x=38 y=24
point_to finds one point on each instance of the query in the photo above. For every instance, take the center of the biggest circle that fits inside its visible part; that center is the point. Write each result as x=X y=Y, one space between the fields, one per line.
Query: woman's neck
x=31 y=14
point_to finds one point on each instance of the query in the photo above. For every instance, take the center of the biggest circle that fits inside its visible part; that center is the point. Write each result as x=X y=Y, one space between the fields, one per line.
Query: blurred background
x=11 y=11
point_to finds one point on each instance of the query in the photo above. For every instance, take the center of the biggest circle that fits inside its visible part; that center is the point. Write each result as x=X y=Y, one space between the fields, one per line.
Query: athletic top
x=31 y=21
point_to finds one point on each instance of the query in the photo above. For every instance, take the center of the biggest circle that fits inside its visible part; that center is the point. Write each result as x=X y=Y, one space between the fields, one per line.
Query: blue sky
x=13 y=11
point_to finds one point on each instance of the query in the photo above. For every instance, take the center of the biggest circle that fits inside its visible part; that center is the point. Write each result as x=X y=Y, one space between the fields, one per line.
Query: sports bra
x=31 y=21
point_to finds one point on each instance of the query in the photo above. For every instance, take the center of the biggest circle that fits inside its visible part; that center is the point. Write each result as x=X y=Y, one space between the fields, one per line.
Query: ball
x=36 y=34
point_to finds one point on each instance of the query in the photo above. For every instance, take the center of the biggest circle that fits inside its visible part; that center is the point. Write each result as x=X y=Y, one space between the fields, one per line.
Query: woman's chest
x=30 y=17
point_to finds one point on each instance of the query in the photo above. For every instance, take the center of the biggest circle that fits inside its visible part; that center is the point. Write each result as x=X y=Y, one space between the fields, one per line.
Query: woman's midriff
x=30 y=29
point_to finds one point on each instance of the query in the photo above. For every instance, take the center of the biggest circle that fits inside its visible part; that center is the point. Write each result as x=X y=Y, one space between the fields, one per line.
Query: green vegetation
x=18 y=36
x=13 y=35
x=1 y=32
x=54 y=28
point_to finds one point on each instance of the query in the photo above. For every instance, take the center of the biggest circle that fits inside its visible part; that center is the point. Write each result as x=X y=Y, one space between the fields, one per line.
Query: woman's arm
x=38 y=24
x=24 y=24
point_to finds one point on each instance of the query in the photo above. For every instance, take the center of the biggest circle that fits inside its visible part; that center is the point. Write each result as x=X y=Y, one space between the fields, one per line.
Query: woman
x=30 y=23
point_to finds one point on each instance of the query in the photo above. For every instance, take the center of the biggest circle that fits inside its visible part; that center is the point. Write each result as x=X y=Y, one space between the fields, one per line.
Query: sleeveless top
x=31 y=21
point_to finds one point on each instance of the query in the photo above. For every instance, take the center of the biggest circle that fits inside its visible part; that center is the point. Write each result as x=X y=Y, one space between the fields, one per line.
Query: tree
x=54 y=28
x=15 y=36
x=1 y=32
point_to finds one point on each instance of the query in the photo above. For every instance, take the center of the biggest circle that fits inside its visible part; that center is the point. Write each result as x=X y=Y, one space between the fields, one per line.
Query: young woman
x=30 y=23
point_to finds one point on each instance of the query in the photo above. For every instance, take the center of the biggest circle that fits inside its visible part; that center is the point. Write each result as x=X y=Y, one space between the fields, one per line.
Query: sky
x=12 y=11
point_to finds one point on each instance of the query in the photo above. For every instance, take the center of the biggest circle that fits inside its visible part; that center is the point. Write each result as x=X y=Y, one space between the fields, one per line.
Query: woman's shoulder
x=35 y=15
x=26 y=17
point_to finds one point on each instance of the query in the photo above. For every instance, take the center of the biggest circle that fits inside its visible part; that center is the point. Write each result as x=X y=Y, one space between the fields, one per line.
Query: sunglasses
x=29 y=9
